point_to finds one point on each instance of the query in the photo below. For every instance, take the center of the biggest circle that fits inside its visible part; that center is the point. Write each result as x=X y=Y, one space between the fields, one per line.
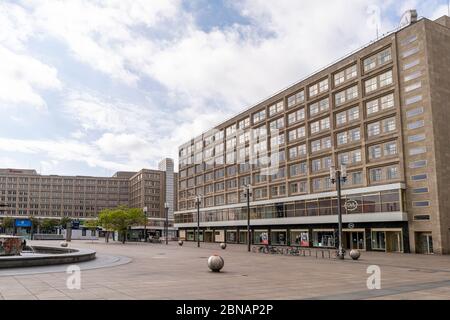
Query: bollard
x=215 y=263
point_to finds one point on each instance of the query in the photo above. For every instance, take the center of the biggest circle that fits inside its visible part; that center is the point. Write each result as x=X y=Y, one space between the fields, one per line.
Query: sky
x=91 y=87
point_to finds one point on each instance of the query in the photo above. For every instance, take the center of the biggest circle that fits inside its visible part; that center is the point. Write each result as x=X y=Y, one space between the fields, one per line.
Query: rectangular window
x=416 y=151
x=419 y=177
x=411 y=64
x=416 y=124
x=276 y=108
x=346 y=95
x=259 y=116
x=410 y=52
x=296 y=98
x=296 y=116
x=408 y=40
x=413 y=99
x=413 y=86
x=413 y=76
x=345 y=75
x=414 y=112
x=392 y=173
x=421 y=203
x=418 y=164
x=420 y=190
x=416 y=138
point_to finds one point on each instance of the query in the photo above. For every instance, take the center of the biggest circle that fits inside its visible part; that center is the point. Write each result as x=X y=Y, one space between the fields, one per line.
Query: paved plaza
x=157 y=271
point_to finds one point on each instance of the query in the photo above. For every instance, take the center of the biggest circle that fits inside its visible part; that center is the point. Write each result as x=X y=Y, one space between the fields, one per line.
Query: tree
x=64 y=221
x=49 y=225
x=91 y=224
x=8 y=223
x=120 y=219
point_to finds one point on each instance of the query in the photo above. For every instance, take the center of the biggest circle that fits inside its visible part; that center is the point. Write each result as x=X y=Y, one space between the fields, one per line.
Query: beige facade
x=382 y=111
x=25 y=193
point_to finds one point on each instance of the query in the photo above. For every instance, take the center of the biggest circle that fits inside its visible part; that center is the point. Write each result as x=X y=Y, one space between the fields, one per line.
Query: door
x=393 y=241
x=209 y=236
x=425 y=243
x=354 y=240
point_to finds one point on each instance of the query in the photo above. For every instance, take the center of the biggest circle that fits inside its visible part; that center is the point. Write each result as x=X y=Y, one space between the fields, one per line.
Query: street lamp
x=145 y=224
x=338 y=176
x=166 y=225
x=198 y=201
x=248 y=194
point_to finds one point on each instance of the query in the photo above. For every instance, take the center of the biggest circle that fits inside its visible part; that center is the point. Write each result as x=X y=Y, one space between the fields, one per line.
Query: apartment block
x=382 y=111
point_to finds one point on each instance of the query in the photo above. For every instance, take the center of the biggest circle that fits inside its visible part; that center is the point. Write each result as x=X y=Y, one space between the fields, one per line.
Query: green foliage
x=49 y=225
x=8 y=222
x=64 y=221
x=120 y=219
x=91 y=224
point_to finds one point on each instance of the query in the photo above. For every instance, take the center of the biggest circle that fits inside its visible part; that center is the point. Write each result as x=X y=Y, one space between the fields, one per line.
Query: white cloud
x=22 y=76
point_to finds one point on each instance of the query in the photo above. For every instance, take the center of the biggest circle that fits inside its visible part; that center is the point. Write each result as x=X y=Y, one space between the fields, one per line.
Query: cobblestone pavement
x=157 y=271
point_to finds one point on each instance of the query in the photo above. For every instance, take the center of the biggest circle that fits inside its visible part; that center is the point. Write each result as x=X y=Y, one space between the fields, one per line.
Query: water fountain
x=14 y=253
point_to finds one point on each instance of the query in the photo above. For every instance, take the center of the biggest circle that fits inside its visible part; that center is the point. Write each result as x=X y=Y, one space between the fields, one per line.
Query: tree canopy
x=120 y=219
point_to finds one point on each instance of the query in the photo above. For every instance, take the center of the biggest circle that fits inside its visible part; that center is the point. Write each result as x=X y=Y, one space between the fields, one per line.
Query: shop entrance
x=354 y=239
x=387 y=240
x=424 y=242
x=209 y=236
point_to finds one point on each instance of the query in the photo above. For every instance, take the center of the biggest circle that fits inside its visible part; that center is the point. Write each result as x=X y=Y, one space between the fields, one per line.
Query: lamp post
x=166 y=225
x=248 y=194
x=145 y=224
x=337 y=176
x=198 y=201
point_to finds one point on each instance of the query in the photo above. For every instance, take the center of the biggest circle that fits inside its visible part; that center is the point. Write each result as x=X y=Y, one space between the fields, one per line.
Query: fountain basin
x=43 y=256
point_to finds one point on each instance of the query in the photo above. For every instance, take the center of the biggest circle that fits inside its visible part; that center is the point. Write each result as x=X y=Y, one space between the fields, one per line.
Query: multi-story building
x=25 y=193
x=382 y=111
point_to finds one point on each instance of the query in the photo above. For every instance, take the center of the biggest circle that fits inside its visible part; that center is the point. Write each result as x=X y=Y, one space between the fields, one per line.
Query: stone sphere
x=355 y=254
x=223 y=245
x=64 y=244
x=215 y=263
x=180 y=243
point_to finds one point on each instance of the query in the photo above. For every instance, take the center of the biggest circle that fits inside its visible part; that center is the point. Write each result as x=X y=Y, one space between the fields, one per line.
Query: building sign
x=24 y=223
x=351 y=205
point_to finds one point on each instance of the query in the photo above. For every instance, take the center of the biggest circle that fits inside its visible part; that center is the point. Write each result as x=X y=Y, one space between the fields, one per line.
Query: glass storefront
x=190 y=235
x=278 y=237
x=261 y=237
x=300 y=238
x=388 y=240
x=323 y=238
x=384 y=201
x=354 y=239
x=232 y=236
x=243 y=236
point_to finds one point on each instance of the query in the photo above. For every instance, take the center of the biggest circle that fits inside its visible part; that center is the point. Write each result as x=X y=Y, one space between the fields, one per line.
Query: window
x=277 y=191
x=346 y=95
x=421 y=203
x=298 y=187
x=392 y=173
x=321 y=144
x=348 y=136
x=321 y=164
x=377 y=105
x=277 y=140
x=390 y=148
x=414 y=112
x=419 y=177
x=420 y=190
x=298 y=169
x=296 y=98
x=413 y=86
x=408 y=40
x=377 y=60
x=418 y=164
x=350 y=158
x=345 y=75
x=411 y=64
x=317 y=88
x=296 y=134
x=389 y=125
x=410 y=52
x=277 y=124
x=375 y=152
x=413 y=76
x=416 y=124
x=320 y=125
x=244 y=123
x=416 y=138
x=259 y=116
x=380 y=81
x=416 y=151
x=318 y=107
x=386 y=126
x=276 y=108
x=375 y=174
x=347 y=116
x=296 y=116
x=413 y=99
x=297 y=151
